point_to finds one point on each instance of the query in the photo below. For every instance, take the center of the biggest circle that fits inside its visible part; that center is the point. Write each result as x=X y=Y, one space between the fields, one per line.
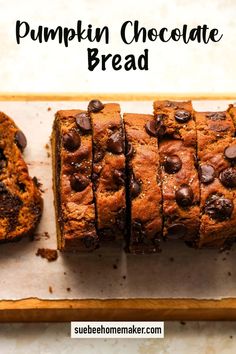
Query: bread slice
x=73 y=192
x=108 y=169
x=20 y=199
x=144 y=185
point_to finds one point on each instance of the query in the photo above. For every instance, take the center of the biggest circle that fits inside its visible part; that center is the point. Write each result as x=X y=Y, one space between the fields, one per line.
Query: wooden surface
x=38 y=310
x=114 y=96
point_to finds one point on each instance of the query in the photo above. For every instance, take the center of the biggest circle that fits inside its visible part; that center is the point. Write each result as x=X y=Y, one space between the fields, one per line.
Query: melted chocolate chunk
x=95 y=106
x=228 y=177
x=184 y=196
x=230 y=152
x=130 y=151
x=216 y=115
x=151 y=128
x=135 y=187
x=176 y=230
x=206 y=174
x=20 y=140
x=78 y=182
x=119 y=177
x=172 y=164
x=218 y=207
x=83 y=122
x=71 y=140
x=182 y=116
x=115 y=143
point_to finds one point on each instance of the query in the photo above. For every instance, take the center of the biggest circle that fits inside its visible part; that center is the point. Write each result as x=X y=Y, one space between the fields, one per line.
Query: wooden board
x=34 y=309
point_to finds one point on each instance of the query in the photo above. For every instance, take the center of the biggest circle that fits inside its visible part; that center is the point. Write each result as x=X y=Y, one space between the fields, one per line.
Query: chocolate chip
x=135 y=187
x=182 y=116
x=172 y=163
x=130 y=150
x=83 y=122
x=206 y=173
x=160 y=126
x=184 y=196
x=20 y=140
x=218 y=207
x=95 y=106
x=176 y=230
x=115 y=143
x=230 y=152
x=119 y=177
x=71 y=140
x=78 y=182
x=151 y=128
x=228 y=177
x=216 y=115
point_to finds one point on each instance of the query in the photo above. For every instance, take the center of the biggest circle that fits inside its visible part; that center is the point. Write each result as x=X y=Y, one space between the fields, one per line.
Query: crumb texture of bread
x=73 y=192
x=20 y=199
x=143 y=184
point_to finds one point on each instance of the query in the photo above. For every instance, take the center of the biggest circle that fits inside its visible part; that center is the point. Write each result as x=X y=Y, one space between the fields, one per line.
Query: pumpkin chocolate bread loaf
x=180 y=184
x=72 y=168
x=108 y=169
x=175 y=120
x=20 y=199
x=217 y=173
x=144 y=206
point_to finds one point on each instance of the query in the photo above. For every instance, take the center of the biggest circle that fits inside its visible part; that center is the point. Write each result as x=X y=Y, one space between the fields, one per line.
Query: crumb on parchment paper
x=49 y=254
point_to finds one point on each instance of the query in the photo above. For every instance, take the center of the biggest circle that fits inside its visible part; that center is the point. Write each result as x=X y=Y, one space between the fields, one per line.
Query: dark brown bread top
x=109 y=170
x=20 y=199
x=216 y=144
x=144 y=184
x=180 y=189
x=175 y=119
x=72 y=165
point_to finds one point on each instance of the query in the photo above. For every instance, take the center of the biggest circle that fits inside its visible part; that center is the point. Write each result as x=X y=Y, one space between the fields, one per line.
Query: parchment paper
x=178 y=271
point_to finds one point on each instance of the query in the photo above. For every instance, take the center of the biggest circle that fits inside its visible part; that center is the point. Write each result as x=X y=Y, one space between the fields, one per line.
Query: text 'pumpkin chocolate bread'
x=217 y=156
x=180 y=184
x=108 y=169
x=144 y=191
x=72 y=170
x=20 y=199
